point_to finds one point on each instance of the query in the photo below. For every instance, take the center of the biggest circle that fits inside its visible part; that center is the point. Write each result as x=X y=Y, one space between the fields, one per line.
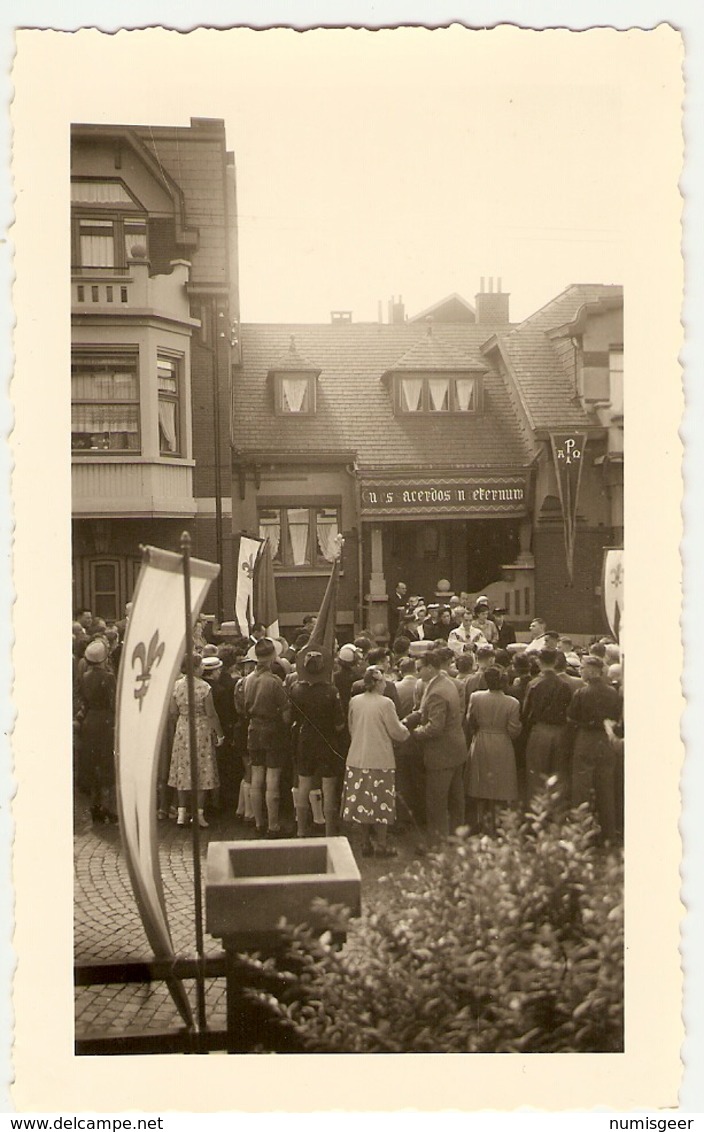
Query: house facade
x=429 y=444
x=154 y=324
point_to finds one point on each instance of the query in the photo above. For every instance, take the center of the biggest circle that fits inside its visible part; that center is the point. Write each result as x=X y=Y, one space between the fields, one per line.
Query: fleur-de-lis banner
x=244 y=582
x=612 y=589
x=568 y=450
x=151 y=656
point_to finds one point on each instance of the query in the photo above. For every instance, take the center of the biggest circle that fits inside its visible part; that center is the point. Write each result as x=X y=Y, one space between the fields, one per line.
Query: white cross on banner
x=151 y=656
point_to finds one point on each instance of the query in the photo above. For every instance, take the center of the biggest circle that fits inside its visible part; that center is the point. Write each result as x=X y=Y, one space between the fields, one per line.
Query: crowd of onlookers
x=449 y=722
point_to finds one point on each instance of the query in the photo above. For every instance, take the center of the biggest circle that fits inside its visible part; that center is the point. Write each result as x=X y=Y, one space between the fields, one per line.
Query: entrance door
x=468 y=553
x=105 y=584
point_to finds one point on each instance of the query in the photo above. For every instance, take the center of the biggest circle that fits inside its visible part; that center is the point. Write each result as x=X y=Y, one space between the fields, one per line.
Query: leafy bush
x=512 y=944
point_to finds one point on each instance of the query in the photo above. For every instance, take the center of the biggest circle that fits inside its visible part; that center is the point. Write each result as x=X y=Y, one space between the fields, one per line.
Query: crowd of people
x=441 y=728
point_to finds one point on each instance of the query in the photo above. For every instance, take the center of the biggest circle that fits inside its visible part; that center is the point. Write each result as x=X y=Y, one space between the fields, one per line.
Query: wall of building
x=300 y=591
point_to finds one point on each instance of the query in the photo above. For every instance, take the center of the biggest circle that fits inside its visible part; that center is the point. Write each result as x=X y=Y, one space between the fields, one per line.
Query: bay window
x=169 y=391
x=105 y=402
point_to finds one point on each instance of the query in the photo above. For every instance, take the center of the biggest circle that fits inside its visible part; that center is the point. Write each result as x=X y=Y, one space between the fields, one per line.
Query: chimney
x=396 y=310
x=340 y=318
x=492 y=305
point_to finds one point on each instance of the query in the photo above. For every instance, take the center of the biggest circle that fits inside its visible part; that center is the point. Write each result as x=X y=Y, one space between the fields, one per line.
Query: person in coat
x=96 y=721
x=494 y=722
x=369 y=791
x=437 y=726
x=544 y=715
x=594 y=759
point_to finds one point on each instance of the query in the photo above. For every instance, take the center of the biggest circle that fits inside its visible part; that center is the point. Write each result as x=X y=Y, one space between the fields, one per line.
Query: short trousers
x=273 y=758
x=324 y=764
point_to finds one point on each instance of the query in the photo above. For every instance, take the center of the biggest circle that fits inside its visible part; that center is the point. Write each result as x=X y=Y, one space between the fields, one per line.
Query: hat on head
x=264 y=648
x=314 y=664
x=500 y=609
x=211 y=663
x=96 y=652
x=210 y=650
x=347 y=654
x=280 y=667
x=420 y=648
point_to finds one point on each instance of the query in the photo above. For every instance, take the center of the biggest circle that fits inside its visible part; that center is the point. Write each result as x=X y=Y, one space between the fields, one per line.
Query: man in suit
x=438 y=728
x=507 y=633
x=397 y=608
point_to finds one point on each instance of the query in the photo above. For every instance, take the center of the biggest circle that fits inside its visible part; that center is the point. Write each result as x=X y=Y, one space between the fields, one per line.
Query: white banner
x=612 y=589
x=244 y=583
x=151 y=656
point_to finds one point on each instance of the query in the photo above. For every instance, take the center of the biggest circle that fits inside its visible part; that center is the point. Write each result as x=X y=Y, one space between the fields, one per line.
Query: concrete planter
x=251 y=885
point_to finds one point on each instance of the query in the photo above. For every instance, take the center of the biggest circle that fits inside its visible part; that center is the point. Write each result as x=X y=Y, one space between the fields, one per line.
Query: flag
x=151 y=656
x=612 y=588
x=568 y=453
x=244 y=582
x=324 y=628
x=265 y=607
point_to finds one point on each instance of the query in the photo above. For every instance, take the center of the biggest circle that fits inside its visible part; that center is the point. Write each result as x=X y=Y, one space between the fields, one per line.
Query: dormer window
x=437 y=394
x=295 y=393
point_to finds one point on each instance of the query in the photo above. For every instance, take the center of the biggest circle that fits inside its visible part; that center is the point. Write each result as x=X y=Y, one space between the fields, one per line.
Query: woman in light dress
x=208 y=733
x=369 y=791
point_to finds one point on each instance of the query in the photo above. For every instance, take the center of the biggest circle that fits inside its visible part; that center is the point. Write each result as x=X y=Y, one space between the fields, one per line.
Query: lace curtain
x=439 y=388
x=98 y=251
x=295 y=391
x=271 y=529
x=326 y=530
x=298 y=532
x=411 y=392
x=464 y=387
x=167 y=425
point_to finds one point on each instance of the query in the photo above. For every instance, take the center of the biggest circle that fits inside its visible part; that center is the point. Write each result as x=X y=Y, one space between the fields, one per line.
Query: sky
x=373 y=164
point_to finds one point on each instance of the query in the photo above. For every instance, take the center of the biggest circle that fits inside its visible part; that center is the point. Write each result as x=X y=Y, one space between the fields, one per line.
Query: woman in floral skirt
x=207 y=728
x=369 y=792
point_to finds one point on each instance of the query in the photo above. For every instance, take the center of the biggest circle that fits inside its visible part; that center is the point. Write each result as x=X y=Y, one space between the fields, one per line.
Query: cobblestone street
x=107 y=926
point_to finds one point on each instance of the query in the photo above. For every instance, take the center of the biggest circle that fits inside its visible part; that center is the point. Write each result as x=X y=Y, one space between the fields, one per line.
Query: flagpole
x=193 y=746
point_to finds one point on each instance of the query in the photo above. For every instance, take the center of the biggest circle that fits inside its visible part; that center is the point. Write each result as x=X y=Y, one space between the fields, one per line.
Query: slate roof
x=291 y=361
x=355 y=407
x=429 y=354
x=354 y=398
x=545 y=385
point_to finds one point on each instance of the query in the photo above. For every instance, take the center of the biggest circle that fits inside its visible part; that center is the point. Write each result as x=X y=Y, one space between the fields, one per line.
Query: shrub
x=512 y=944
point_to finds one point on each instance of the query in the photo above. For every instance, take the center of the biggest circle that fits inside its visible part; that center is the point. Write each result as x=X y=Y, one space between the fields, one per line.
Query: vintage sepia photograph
x=346 y=359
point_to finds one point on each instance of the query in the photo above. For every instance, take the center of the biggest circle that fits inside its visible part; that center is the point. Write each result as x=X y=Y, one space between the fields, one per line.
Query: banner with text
x=568 y=455
x=151 y=656
x=455 y=497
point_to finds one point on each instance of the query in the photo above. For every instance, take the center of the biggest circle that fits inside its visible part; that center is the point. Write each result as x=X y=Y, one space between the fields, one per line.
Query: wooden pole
x=193 y=746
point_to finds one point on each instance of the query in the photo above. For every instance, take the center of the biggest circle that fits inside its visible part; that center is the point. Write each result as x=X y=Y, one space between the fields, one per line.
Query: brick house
x=427 y=443
x=154 y=323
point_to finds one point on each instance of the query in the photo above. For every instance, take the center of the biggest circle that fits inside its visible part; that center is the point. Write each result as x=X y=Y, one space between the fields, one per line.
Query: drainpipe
x=218 y=317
